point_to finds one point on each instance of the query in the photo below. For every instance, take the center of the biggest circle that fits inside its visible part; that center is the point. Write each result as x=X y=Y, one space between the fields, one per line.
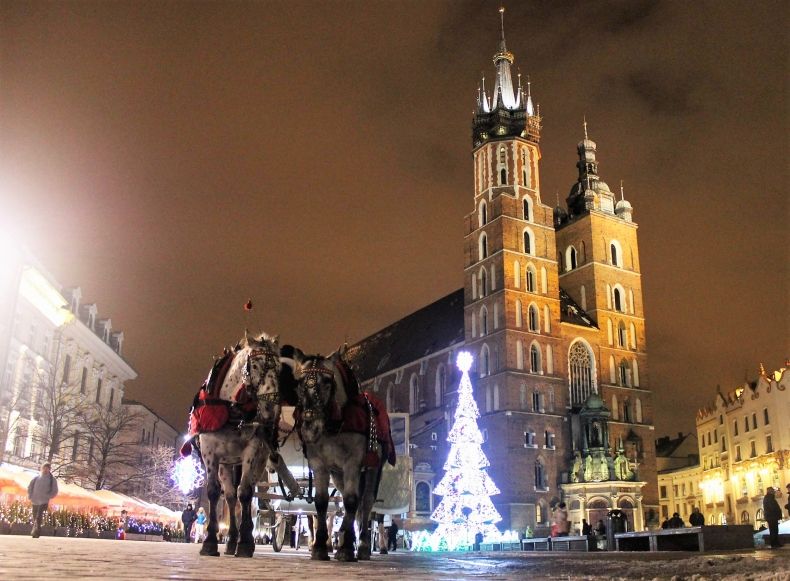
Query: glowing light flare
x=34 y=287
x=188 y=474
x=464 y=361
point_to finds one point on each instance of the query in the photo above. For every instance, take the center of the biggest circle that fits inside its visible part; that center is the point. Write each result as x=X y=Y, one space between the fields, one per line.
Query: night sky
x=177 y=158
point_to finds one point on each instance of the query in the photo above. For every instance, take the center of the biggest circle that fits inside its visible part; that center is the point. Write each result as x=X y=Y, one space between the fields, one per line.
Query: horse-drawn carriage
x=285 y=515
x=338 y=430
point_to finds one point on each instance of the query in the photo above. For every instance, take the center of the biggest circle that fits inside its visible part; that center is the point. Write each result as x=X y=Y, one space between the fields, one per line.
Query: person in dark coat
x=676 y=522
x=40 y=491
x=697 y=519
x=188 y=517
x=772 y=512
x=392 y=537
x=586 y=528
x=787 y=506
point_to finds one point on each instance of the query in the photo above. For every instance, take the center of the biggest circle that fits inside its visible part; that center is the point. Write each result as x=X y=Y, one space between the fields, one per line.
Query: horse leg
x=226 y=475
x=252 y=460
x=366 y=502
x=350 y=487
x=213 y=492
x=319 y=551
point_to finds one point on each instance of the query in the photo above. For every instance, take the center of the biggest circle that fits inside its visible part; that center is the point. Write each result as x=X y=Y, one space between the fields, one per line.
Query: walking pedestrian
x=200 y=524
x=772 y=512
x=560 y=528
x=188 y=517
x=392 y=537
x=40 y=491
x=697 y=519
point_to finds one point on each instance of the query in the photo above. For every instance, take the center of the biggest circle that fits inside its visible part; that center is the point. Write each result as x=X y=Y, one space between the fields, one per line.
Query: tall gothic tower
x=553 y=312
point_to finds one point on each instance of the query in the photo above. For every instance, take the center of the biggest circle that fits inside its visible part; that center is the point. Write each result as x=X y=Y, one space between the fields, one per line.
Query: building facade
x=679 y=475
x=744 y=447
x=63 y=364
x=552 y=310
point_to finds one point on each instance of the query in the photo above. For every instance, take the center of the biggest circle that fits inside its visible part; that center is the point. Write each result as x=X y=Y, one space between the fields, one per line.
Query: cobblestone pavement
x=66 y=558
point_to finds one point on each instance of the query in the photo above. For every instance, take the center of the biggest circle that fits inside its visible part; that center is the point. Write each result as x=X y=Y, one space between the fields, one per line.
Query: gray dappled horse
x=322 y=388
x=243 y=446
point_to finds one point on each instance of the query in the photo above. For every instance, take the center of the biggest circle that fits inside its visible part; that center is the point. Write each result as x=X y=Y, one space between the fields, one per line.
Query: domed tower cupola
x=589 y=192
x=623 y=209
x=508 y=112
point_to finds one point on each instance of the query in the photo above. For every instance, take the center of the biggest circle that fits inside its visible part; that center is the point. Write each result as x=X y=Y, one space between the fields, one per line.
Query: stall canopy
x=14 y=481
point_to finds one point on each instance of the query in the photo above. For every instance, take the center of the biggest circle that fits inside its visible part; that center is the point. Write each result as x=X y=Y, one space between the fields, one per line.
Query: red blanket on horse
x=355 y=419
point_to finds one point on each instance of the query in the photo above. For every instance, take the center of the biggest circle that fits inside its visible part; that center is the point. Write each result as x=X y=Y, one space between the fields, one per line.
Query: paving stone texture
x=66 y=558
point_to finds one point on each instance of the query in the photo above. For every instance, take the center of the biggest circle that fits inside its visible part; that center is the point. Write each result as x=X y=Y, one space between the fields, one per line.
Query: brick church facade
x=552 y=310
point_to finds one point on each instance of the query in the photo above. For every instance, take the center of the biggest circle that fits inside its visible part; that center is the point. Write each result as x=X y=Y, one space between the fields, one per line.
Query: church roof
x=433 y=328
x=571 y=312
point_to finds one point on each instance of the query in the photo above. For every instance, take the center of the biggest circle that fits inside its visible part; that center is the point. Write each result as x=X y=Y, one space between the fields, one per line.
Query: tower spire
x=502 y=19
x=585 y=127
x=504 y=81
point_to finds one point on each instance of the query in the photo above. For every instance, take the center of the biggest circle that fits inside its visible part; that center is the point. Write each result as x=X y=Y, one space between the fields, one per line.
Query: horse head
x=320 y=390
x=261 y=374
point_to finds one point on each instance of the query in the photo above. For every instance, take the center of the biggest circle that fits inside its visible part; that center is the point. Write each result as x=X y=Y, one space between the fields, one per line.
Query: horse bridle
x=270 y=362
x=311 y=377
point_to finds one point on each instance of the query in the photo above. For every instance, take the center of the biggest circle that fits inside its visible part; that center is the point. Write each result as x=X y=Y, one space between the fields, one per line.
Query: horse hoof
x=345 y=557
x=319 y=556
x=209 y=553
x=245 y=551
x=363 y=553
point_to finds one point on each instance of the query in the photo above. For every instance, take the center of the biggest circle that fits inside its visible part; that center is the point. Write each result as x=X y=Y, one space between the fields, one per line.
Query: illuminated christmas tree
x=466 y=508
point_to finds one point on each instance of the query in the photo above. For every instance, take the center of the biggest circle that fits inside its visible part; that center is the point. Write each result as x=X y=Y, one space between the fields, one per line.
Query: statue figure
x=595 y=436
x=588 y=469
x=621 y=469
x=576 y=469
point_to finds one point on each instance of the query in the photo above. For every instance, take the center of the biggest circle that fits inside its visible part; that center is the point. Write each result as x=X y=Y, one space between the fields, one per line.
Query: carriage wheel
x=278 y=534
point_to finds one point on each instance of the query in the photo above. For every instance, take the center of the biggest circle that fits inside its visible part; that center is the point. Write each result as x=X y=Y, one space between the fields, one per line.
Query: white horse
x=236 y=455
x=325 y=386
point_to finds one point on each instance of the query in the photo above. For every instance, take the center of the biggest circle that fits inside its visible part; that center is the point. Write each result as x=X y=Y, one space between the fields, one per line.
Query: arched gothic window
x=518 y=313
x=414 y=394
x=571 y=258
x=483 y=214
x=528 y=246
x=531 y=276
x=483 y=246
x=519 y=354
x=622 y=338
x=501 y=155
x=616 y=253
x=618 y=300
x=484 y=361
x=441 y=384
x=502 y=177
x=582 y=372
x=624 y=373
x=422 y=497
x=516 y=274
x=484 y=283
x=534 y=359
x=483 y=321
x=534 y=318
x=540 y=476
x=526 y=208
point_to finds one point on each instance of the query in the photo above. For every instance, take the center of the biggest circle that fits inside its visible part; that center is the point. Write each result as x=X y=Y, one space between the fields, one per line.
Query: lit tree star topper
x=466 y=508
